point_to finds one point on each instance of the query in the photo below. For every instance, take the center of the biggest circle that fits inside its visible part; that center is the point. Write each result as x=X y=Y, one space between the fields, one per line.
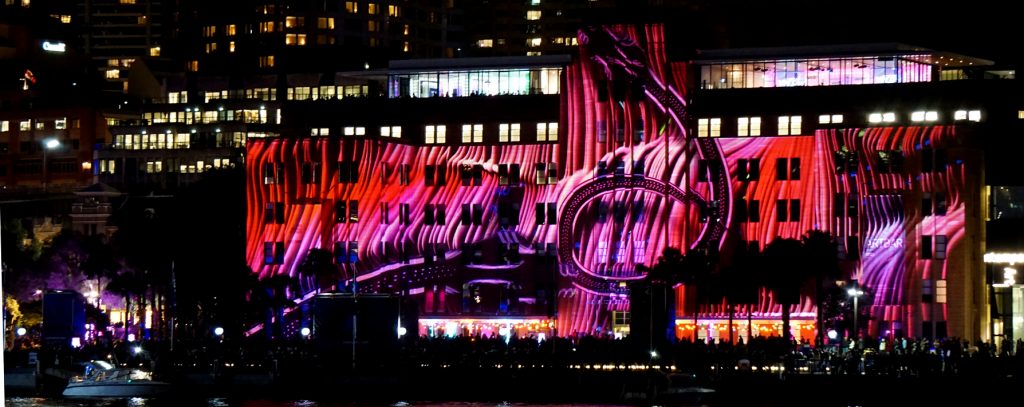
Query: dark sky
x=981 y=28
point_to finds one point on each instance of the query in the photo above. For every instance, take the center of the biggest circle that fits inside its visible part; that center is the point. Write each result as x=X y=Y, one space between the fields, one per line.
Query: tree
x=127 y=284
x=317 y=270
x=822 y=256
x=786 y=273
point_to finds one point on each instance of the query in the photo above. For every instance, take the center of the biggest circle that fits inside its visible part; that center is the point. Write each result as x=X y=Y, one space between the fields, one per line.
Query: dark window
x=781 y=210
x=926 y=247
x=340 y=211
x=348 y=172
x=781 y=169
x=439 y=215
x=403 y=214
x=794 y=210
x=940 y=204
x=601 y=170
x=428 y=175
x=940 y=247
x=478 y=214
x=353 y=252
x=467 y=214
x=702 y=170
x=268 y=252
x=279 y=253
x=619 y=211
x=478 y=175
x=638 y=167
x=552 y=213
x=851 y=208
x=384 y=213
x=794 y=169
x=926 y=205
x=310 y=173
x=852 y=248
x=442 y=175
x=466 y=174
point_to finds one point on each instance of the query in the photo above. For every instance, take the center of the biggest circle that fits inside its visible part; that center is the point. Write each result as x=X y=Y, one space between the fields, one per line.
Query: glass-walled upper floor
x=782 y=73
x=477 y=82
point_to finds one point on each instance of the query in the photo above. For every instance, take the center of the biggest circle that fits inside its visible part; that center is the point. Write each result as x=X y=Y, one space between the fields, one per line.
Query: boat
x=102 y=379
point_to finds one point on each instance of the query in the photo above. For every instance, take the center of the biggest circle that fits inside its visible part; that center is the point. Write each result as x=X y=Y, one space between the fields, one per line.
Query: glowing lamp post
x=855 y=293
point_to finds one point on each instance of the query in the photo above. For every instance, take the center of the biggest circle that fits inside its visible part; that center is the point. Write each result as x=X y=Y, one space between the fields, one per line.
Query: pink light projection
x=624 y=183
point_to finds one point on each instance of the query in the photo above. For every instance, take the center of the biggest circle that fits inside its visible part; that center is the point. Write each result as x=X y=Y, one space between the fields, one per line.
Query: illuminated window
x=231 y=46
x=405 y=46
x=434 y=134
x=371 y=8
x=113 y=74
x=533 y=14
x=534 y=42
x=749 y=126
x=122 y=2
x=354 y=131
x=547 y=131
x=830 y=119
x=485 y=43
x=472 y=133
x=320 y=131
x=64 y=18
x=294 y=22
x=922 y=116
x=211 y=47
x=154 y=51
x=325 y=23
x=508 y=133
x=391 y=131
x=394 y=11
x=709 y=127
x=1020 y=114
x=940 y=291
x=25 y=125
x=267 y=27
x=5 y=126
x=790 y=125
x=229 y=30
x=372 y=26
x=192 y=66
x=60 y=124
x=209 y=30
x=352 y=6
x=972 y=115
x=295 y=39
x=266 y=61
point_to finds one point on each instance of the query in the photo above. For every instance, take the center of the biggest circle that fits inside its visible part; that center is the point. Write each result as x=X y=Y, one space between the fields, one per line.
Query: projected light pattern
x=623 y=182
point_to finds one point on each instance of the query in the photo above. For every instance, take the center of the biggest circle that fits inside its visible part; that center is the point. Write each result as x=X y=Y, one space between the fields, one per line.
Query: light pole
x=48 y=144
x=855 y=293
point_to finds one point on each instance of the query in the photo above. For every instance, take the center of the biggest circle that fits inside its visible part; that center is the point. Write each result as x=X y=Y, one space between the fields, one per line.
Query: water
x=225 y=402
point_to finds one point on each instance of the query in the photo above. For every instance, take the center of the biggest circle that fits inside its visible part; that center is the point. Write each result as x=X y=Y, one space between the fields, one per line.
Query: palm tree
x=316 y=269
x=786 y=273
x=822 y=256
x=693 y=269
x=126 y=284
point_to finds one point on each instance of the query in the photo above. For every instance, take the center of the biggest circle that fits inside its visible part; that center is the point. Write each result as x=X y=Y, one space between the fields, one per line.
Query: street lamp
x=48 y=144
x=855 y=293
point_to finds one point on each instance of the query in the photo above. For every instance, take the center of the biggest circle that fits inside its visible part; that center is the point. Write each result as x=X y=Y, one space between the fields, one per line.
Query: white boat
x=101 y=379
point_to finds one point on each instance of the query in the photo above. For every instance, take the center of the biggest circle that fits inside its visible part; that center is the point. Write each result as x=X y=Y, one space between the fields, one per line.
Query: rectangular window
x=747 y=169
x=348 y=172
x=782 y=210
x=5 y=126
x=353 y=131
x=310 y=173
x=926 y=205
x=508 y=174
x=434 y=134
x=279 y=253
x=749 y=126
x=639 y=251
x=547 y=131
x=926 y=247
x=428 y=214
x=403 y=214
x=830 y=119
x=268 y=253
x=384 y=214
x=787 y=169
x=790 y=125
x=274 y=213
x=403 y=174
x=466 y=216
x=352 y=6
x=391 y=131
x=940 y=291
x=472 y=133
x=602 y=252
x=508 y=132
x=940 y=247
x=60 y=124
x=702 y=170
x=439 y=216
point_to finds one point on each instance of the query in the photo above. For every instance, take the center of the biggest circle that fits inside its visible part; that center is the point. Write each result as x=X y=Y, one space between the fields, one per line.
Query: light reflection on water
x=224 y=402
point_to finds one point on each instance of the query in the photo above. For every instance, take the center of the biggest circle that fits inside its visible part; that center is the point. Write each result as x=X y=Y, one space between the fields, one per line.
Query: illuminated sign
x=54 y=46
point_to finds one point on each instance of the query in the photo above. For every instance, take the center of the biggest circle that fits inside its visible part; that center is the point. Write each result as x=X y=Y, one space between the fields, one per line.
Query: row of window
x=30 y=124
x=843 y=205
x=793 y=125
x=433 y=175
x=474 y=133
x=196 y=116
x=347 y=211
x=621 y=253
x=30 y=147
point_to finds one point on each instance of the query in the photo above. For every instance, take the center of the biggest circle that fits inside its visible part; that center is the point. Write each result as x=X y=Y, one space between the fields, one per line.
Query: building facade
x=485 y=203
